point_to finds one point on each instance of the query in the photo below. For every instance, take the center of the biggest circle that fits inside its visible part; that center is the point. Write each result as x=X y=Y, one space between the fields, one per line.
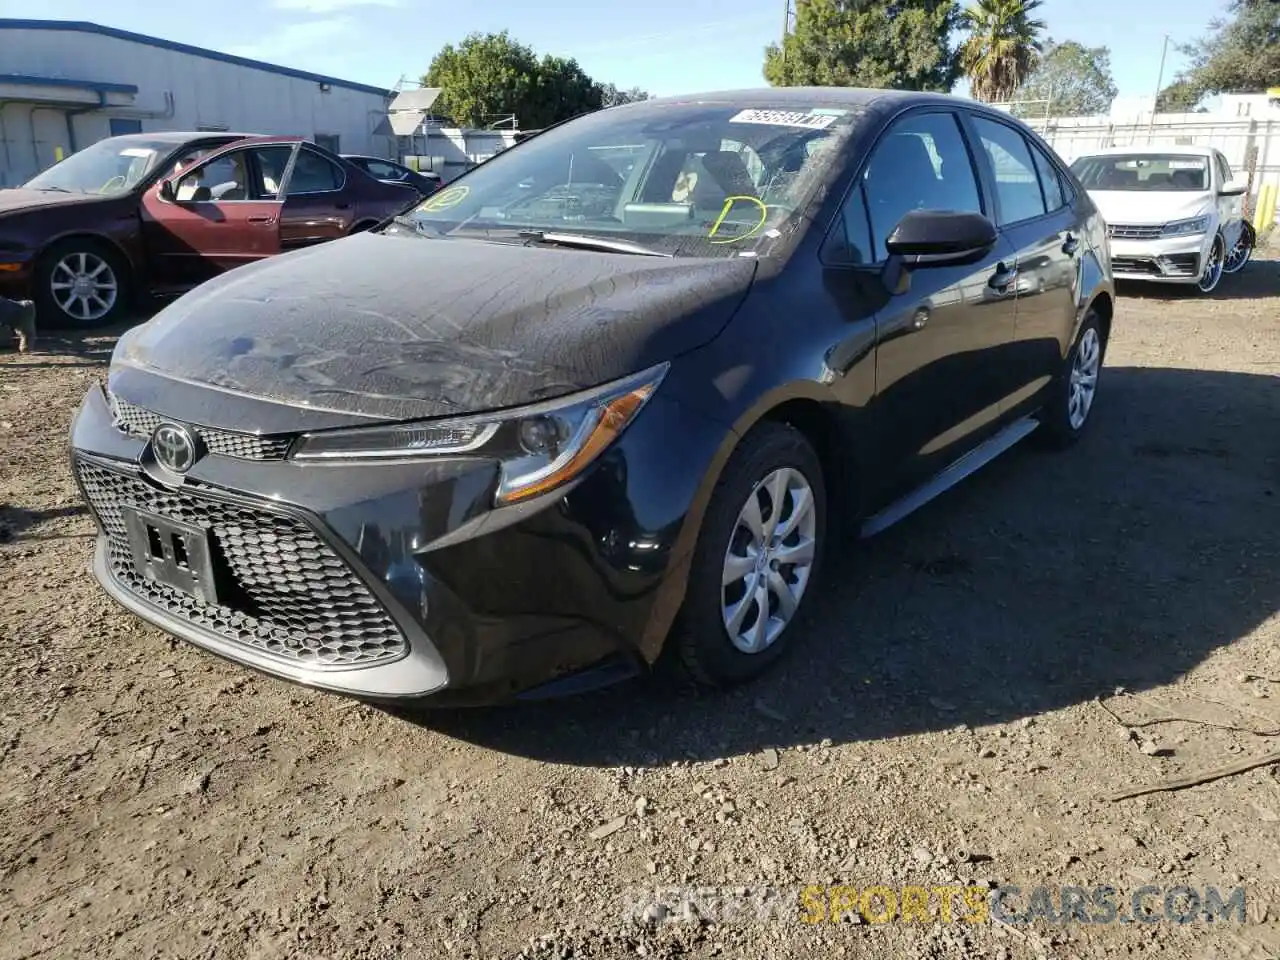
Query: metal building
x=65 y=85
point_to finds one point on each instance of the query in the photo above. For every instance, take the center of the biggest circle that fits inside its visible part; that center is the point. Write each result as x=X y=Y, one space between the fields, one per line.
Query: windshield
x=696 y=179
x=107 y=168
x=1145 y=171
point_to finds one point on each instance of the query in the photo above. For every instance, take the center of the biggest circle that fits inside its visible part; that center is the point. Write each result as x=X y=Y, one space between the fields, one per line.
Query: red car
x=157 y=213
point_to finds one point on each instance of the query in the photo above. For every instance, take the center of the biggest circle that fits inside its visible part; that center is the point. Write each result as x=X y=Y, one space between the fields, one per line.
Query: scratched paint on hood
x=405 y=327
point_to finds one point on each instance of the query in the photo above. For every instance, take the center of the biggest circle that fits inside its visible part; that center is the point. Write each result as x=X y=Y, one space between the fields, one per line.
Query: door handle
x=262 y=221
x=342 y=205
x=1070 y=245
x=1002 y=277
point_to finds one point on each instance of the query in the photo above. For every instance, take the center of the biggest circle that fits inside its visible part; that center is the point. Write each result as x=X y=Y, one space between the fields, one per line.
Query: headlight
x=539 y=447
x=1182 y=228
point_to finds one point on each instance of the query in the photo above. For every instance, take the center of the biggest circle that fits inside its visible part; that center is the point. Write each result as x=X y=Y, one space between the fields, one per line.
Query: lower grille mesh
x=291 y=595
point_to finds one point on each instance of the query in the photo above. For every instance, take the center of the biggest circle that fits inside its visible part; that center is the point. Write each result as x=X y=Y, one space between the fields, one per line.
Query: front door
x=1034 y=214
x=225 y=212
x=939 y=379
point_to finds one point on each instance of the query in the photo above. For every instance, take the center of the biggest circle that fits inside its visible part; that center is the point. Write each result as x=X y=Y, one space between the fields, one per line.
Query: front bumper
x=16 y=280
x=399 y=581
x=1167 y=260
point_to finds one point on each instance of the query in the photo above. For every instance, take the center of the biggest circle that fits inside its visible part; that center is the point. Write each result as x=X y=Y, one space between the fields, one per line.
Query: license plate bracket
x=172 y=553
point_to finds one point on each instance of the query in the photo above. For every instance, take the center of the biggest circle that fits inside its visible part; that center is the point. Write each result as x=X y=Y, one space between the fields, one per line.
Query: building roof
x=81 y=26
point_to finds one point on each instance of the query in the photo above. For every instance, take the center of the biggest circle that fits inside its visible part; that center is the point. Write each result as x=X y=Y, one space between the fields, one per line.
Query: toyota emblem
x=174 y=447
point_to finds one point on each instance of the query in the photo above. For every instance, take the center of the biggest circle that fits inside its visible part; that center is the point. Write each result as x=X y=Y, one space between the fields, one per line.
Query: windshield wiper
x=54 y=189
x=417 y=226
x=584 y=242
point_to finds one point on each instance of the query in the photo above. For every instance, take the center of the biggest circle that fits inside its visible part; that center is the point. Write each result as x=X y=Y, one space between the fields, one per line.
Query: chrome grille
x=140 y=422
x=289 y=594
x=1129 y=231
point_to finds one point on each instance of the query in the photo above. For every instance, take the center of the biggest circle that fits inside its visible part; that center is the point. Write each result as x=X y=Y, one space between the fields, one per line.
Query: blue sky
x=664 y=46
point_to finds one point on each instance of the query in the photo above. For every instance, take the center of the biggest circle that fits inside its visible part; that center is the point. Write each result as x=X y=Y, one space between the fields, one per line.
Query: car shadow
x=90 y=347
x=1046 y=580
x=14 y=521
x=1259 y=280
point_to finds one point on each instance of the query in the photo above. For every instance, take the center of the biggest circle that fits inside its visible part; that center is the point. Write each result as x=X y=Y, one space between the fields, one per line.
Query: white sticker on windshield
x=1186 y=164
x=784 y=118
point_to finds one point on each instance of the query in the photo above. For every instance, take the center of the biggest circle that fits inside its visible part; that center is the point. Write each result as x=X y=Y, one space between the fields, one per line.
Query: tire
x=779 y=455
x=1060 y=423
x=1212 y=273
x=105 y=278
x=1241 y=253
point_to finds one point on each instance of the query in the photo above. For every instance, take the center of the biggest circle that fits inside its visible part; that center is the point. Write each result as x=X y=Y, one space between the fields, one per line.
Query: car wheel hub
x=769 y=560
x=1084 y=378
x=84 y=286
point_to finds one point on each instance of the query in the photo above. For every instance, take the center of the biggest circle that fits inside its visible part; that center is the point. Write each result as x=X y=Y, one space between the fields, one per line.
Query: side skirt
x=970 y=463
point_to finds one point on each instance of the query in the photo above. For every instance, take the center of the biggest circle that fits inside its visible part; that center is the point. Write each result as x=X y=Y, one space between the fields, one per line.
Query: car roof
x=1187 y=150
x=178 y=137
x=802 y=96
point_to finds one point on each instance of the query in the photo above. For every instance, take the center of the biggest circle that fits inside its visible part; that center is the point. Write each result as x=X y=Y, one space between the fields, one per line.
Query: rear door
x=319 y=202
x=1035 y=214
x=225 y=212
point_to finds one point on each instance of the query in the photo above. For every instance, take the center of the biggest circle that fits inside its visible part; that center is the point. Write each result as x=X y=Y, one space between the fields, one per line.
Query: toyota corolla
x=609 y=393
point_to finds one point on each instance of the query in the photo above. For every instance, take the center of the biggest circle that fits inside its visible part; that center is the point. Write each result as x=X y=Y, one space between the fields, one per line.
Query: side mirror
x=935 y=237
x=166 y=191
x=1233 y=188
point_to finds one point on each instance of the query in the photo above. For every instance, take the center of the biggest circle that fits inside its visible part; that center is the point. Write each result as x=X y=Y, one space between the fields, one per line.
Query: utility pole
x=1164 y=52
x=786 y=26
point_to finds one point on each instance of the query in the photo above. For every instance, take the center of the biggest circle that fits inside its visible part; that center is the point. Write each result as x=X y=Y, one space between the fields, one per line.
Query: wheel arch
x=806 y=407
x=100 y=239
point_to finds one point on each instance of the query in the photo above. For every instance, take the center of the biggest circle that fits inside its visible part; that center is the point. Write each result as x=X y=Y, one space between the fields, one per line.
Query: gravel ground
x=157 y=802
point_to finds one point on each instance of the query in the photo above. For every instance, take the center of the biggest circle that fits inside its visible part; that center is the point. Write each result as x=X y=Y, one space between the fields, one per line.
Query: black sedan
x=610 y=392
x=388 y=171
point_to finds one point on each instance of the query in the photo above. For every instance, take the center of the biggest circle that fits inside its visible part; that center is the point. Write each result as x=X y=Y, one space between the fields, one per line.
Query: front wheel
x=1241 y=250
x=1213 y=264
x=81 y=284
x=756 y=559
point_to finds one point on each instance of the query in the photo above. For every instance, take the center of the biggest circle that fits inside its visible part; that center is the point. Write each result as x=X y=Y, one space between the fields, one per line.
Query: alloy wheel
x=1212 y=267
x=1240 y=253
x=1084 y=378
x=769 y=560
x=84 y=286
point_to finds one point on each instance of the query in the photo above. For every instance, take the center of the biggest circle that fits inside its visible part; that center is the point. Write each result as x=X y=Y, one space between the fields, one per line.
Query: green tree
x=611 y=96
x=1075 y=80
x=1240 y=54
x=904 y=44
x=1002 y=48
x=1181 y=96
x=488 y=77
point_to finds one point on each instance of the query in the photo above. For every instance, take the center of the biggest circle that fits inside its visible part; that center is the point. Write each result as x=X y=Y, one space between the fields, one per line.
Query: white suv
x=1174 y=214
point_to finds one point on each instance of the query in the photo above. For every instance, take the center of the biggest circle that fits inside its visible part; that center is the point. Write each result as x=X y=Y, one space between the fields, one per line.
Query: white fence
x=1250 y=144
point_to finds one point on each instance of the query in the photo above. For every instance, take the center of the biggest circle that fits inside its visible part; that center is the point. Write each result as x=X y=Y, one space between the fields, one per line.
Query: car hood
x=404 y=327
x=16 y=199
x=1154 y=207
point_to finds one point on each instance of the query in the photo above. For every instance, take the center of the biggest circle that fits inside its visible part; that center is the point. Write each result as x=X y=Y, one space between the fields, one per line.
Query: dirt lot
x=157 y=802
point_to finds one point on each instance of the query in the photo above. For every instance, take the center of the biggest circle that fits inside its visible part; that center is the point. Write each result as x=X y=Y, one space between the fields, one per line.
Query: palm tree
x=1002 y=47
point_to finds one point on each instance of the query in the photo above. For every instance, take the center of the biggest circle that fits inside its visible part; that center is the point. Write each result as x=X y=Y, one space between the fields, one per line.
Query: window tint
x=1050 y=181
x=1017 y=185
x=313 y=173
x=920 y=164
x=383 y=170
x=850 y=239
x=271 y=163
